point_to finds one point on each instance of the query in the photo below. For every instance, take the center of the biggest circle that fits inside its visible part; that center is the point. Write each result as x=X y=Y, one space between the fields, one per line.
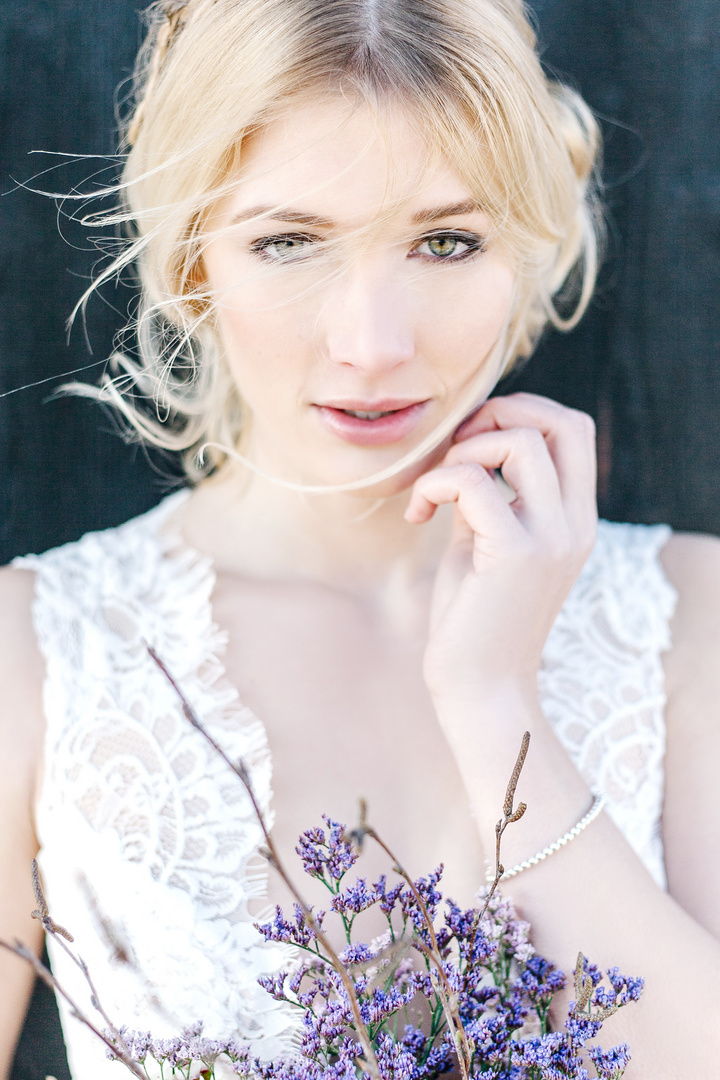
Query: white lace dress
x=148 y=843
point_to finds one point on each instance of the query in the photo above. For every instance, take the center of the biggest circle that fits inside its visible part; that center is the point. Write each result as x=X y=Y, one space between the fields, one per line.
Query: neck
x=254 y=527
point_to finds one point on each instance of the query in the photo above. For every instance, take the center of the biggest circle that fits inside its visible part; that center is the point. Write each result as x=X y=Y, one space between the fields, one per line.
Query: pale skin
x=424 y=723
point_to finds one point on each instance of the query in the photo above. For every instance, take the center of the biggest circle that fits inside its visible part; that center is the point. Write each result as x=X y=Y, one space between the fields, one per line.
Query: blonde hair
x=213 y=72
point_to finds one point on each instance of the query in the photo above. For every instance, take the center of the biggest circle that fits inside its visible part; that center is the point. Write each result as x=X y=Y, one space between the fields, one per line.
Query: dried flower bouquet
x=442 y=990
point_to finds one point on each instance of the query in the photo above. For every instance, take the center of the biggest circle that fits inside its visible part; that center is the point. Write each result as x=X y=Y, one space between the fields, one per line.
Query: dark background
x=644 y=362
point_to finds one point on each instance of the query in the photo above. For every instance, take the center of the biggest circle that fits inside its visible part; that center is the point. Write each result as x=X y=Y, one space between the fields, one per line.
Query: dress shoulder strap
x=639 y=601
x=81 y=589
x=602 y=679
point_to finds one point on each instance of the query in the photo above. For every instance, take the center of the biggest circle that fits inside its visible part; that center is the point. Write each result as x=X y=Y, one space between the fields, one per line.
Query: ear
x=192 y=275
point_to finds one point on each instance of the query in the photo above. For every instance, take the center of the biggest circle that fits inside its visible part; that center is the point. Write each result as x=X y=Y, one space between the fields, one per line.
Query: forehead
x=345 y=162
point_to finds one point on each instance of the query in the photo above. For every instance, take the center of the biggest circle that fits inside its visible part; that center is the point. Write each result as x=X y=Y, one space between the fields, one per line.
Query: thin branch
x=510 y=816
x=273 y=858
x=119 y=1048
x=62 y=936
x=513 y=781
x=433 y=953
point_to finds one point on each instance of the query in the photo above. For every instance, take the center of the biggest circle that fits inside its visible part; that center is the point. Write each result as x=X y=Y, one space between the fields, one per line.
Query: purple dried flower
x=582 y=1026
x=626 y=987
x=396 y=1060
x=430 y=895
x=384 y=1003
x=274 y=985
x=489 y=969
x=550 y=1055
x=440 y=1059
x=610 y=1064
x=592 y=970
x=139 y=1043
x=354 y=899
x=327 y=855
x=542 y=980
x=310 y=849
x=387 y=898
x=356 y=954
x=293 y=933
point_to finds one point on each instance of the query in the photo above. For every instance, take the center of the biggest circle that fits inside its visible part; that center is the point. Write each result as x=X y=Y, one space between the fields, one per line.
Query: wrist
x=484 y=700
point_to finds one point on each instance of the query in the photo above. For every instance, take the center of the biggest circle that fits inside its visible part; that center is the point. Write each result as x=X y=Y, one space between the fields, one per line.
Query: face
x=359 y=295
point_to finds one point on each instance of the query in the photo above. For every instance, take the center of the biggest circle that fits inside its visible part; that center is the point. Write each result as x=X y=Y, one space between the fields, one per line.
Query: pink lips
x=399 y=420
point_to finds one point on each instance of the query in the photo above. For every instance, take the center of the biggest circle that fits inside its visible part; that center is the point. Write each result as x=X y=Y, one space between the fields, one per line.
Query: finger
x=473 y=490
x=568 y=433
x=506 y=411
x=523 y=457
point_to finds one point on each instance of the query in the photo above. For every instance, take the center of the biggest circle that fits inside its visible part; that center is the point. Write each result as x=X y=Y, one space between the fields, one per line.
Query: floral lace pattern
x=149 y=848
x=601 y=682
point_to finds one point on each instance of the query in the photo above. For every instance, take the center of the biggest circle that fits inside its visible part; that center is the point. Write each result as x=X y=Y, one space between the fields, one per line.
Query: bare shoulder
x=689 y=557
x=691 y=818
x=21 y=729
x=692 y=564
x=21 y=670
x=692 y=560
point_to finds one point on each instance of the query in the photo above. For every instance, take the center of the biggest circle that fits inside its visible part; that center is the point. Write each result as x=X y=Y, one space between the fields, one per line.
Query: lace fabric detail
x=601 y=683
x=149 y=847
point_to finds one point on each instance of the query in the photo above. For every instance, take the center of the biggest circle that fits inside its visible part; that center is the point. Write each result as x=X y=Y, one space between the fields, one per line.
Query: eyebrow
x=297 y=217
x=469 y=206
x=279 y=214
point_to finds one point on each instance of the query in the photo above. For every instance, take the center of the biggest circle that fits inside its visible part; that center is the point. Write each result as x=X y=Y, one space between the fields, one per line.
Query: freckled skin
x=366 y=314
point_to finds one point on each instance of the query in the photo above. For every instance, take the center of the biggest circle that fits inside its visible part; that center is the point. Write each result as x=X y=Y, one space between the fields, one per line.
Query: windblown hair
x=213 y=72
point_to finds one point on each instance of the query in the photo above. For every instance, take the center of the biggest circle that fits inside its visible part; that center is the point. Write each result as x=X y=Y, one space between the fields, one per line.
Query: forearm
x=594 y=895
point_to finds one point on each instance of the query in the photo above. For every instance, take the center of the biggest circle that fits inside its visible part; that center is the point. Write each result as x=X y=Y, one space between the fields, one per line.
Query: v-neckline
x=198 y=570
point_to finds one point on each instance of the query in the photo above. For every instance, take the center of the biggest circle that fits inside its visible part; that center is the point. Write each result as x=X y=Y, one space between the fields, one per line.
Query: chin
x=393 y=485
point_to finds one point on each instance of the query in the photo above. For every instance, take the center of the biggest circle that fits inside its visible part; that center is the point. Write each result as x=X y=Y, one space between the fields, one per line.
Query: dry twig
x=240 y=770
x=115 y=1041
x=447 y=997
x=510 y=815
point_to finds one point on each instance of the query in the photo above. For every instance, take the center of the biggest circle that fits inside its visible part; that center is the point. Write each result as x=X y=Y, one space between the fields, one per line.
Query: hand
x=509 y=566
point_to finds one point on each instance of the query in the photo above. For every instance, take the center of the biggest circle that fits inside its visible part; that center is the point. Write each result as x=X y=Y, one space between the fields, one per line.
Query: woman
x=351 y=218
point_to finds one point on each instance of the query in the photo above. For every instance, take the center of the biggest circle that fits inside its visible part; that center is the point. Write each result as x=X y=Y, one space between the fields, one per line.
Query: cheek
x=463 y=319
x=268 y=353
x=262 y=319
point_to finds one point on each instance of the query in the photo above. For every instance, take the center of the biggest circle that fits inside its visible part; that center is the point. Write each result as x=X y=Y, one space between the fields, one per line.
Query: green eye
x=443 y=245
x=284 y=247
x=449 y=246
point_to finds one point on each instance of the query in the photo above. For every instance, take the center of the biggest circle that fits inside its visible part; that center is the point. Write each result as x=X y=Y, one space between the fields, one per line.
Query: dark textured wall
x=647 y=361
x=644 y=362
x=62 y=468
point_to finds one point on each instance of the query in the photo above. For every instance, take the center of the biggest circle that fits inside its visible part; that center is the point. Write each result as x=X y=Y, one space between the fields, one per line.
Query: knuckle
x=530 y=438
x=470 y=472
x=589 y=538
x=561 y=547
x=582 y=423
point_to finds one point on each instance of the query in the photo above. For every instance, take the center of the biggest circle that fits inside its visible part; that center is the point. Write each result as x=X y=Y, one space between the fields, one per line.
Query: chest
x=339 y=689
x=135 y=804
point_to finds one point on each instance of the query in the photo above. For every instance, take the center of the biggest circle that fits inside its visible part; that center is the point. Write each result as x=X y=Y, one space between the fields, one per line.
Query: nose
x=367 y=321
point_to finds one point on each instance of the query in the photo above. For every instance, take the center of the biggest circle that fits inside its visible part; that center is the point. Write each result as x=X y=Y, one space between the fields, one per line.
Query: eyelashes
x=445 y=246
x=285 y=247
x=440 y=246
